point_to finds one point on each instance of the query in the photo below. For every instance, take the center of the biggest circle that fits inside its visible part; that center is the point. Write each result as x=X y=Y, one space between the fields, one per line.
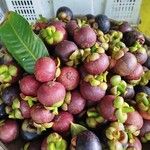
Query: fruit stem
x=127 y=109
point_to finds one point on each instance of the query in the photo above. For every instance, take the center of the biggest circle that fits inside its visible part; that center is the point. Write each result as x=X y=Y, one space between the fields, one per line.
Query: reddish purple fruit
x=64 y=49
x=144 y=114
x=69 y=77
x=129 y=38
x=141 y=57
x=41 y=115
x=126 y=64
x=64 y=13
x=82 y=72
x=130 y=93
x=90 y=103
x=54 y=141
x=38 y=26
x=135 y=119
x=98 y=66
x=54 y=34
x=45 y=68
x=62 y=122
x=63 y=32
x=85 y=37
x=145 y=128
x=8 y=131
x=112 y=63
x=29 y=85
x=135 y=145
x=9 y=94
x=57 y=23
x=51 y=93
x=86 y=140
x=25 y=109
x=44 y=144
x=89 y=92
x=125 y=27
x=136 y=74
x=71 y=26
x=106 y=107
x=77 y=103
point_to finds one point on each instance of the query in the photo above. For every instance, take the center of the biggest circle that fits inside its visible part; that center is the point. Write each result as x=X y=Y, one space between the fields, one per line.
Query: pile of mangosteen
x=91 y=93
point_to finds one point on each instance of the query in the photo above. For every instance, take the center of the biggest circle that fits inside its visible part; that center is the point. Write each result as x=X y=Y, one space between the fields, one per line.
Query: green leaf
x=76 y=129
x=21 y=42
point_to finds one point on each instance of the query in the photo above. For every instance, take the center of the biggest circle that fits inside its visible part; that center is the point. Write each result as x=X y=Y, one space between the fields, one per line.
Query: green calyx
x=142 y=50
x=42 y=127
x=93 y=118
x=121 y=109
x=93 y=53
x=42 y=19
x=30 y=99
x=97 y=80
x=66 y=101
x=145 y=78
x=58 y=70
x=7 y=72
x=117 y=125
x=118 y=50
x=118 y=86
x=77 y=129
x=115 y=145
x=117 y=136
x=90 y=54
x=16 y=104
x=117 y=53
x=115 y=80
x=115 y=36
x=51 y=35
x=143 y=101
x=82 y=22
x=118 y=102
x=135 y=47
x=92 y=57
x=112 y=134
x=102 y=38
x=14 y=111
x=3 y=86
x=99 y=32
x=14 y=114
x=26 y=146
x=132 y=132
x=122 y=117
x=75 y=58
x=57 y=73
x=134 y=82
x=2 y=122
x=27 y=124
x=146 y=137
x=56 y=142
x=54 y=107
x=116 y=132
x=97 y=48
x=105 y=46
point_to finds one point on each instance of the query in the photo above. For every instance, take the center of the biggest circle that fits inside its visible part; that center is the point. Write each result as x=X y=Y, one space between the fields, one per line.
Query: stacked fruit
x=95 y=78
